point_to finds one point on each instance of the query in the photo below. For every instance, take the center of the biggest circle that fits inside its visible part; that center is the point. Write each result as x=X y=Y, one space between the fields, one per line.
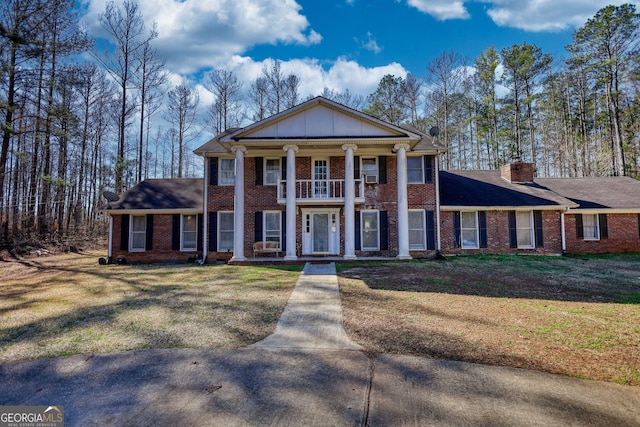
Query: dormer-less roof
x=608 y=194
x=161 y=196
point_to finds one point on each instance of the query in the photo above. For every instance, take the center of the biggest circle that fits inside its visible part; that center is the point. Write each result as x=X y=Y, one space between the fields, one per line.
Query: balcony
x=325 y=191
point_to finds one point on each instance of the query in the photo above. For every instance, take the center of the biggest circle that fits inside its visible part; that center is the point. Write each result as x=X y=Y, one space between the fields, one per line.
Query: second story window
x=415 y=173
x=227 y=172
x=271 y=171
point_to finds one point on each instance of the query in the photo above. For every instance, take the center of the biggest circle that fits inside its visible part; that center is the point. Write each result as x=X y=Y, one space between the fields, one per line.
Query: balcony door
x=320 y=178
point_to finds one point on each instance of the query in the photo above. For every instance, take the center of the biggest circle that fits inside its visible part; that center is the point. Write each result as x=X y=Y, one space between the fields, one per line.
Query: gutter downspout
x=562 y=232
x=205 y=214
x=110 y=245
x=438 y=238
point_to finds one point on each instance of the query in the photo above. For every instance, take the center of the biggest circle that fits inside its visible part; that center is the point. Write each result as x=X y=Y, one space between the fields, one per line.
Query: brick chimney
x=517 y=172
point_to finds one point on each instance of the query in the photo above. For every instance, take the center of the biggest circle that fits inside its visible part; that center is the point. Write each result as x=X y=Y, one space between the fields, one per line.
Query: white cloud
x=371 y=44
x=198 y=34
x=441 y=9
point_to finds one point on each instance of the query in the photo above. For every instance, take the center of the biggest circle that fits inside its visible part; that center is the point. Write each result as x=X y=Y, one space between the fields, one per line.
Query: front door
x=320 y=233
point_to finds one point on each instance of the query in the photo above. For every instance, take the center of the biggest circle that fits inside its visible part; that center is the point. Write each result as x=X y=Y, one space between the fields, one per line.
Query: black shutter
x=283 y=169
x=456 y=228
x=356 y=167
x=175 y=233
x=431 y=230
x=124 y=232
x=283 y=226
x=382 y=169
x=200 y=232
x=604 y=228
x=428 y=169
x=482 y=223
x=258 y=227
x=384 y=231
x=358 y=245
x=639 y=225
x=213 y=171
x=148 y=245
x=579 y=227
x=513 y=233
x=537 y=223
x=259 y=170
x=213 y=231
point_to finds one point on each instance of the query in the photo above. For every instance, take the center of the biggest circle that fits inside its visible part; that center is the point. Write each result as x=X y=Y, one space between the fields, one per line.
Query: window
x=524 y=229
x=370 y=227
x=271 y=171
x=227 y=172
x=590 y=227
x=415 y=173
x=369 y=166
x=417 y=235
x=272 y=225
x=469 y=230
x=225 y=231
x=189 y=233
x=137 y=236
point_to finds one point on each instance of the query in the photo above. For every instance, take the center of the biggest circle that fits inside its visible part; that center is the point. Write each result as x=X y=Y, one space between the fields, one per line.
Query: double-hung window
x=469 y=230
x=272 y=227
x=225 y=231
x=591 y=227
x=137 y=236
x=227 y=172
x=415 y=172
x=369 y=166
x=417 y=235
x=189 y=241
x=370 y=230
x=524 y=229
x=271 y=171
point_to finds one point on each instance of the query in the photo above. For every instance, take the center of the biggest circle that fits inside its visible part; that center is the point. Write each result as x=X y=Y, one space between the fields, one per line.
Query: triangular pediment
x=319 y=118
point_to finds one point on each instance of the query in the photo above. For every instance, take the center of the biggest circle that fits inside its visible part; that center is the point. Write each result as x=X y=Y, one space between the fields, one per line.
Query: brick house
x=321 y=179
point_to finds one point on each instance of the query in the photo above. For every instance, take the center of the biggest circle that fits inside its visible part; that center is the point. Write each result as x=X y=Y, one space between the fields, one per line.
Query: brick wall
x=623 y=231
x=498 y=235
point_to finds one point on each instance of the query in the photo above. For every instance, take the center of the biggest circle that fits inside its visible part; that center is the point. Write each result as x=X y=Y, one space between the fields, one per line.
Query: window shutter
x=428 y=169
x=124 y=232
x=482 y=223
x=639 y=225
x=148 y=245
x=259 y=170
x=283 y=169
x=358 y=245
x=513 y=234
x=384 y=231
x=456 y=228
x=213 y=171
x=283 y=228
x=431 y=230
x=356 y=167
x=213 y=231
x=604 y=228
x=537 y=223
x=175 y=233
x=258 y=227
x=382 y=169
x=200 y=231
x=579 y=227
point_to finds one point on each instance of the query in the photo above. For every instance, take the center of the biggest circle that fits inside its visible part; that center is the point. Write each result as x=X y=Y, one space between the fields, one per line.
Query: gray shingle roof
x=612 y=192
x=162 y=194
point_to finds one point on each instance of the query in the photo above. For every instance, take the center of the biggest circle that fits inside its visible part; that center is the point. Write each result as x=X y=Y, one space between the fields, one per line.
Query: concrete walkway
x=308 y=373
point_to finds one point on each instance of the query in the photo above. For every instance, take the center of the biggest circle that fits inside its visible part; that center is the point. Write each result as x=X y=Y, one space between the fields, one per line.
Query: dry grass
x=67 y=304
x=572 y=316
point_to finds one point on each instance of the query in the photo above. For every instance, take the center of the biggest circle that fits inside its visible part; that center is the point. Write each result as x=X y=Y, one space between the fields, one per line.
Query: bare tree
x=258 y=93
x=181 y=112
x=226 y=110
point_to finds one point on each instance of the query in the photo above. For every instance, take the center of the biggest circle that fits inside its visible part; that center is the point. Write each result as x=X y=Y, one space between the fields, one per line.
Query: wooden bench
x=266 y=247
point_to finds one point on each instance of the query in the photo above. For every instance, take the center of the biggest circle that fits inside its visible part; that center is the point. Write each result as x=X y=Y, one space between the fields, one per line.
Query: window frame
x=133 y=232
x=421 y=162
x=530 y=227
x=595 y=226
x=222 y=177
x=278 y=170
x=279 y=229
x=220 y=231
x=363 y=230
x=375 y=161
x=422 y=231
x=476 y=230
x=183 y=221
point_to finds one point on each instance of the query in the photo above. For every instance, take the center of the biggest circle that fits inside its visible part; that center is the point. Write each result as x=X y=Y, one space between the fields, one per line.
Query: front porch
x=320 y=259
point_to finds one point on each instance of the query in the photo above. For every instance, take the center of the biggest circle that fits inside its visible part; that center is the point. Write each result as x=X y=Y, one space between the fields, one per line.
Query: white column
x=349 y=203
x=403 y=202
x=291 y=201
x=238 y=205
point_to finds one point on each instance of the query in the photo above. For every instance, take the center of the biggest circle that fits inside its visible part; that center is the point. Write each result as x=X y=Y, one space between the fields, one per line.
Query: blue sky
x=346 y=44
